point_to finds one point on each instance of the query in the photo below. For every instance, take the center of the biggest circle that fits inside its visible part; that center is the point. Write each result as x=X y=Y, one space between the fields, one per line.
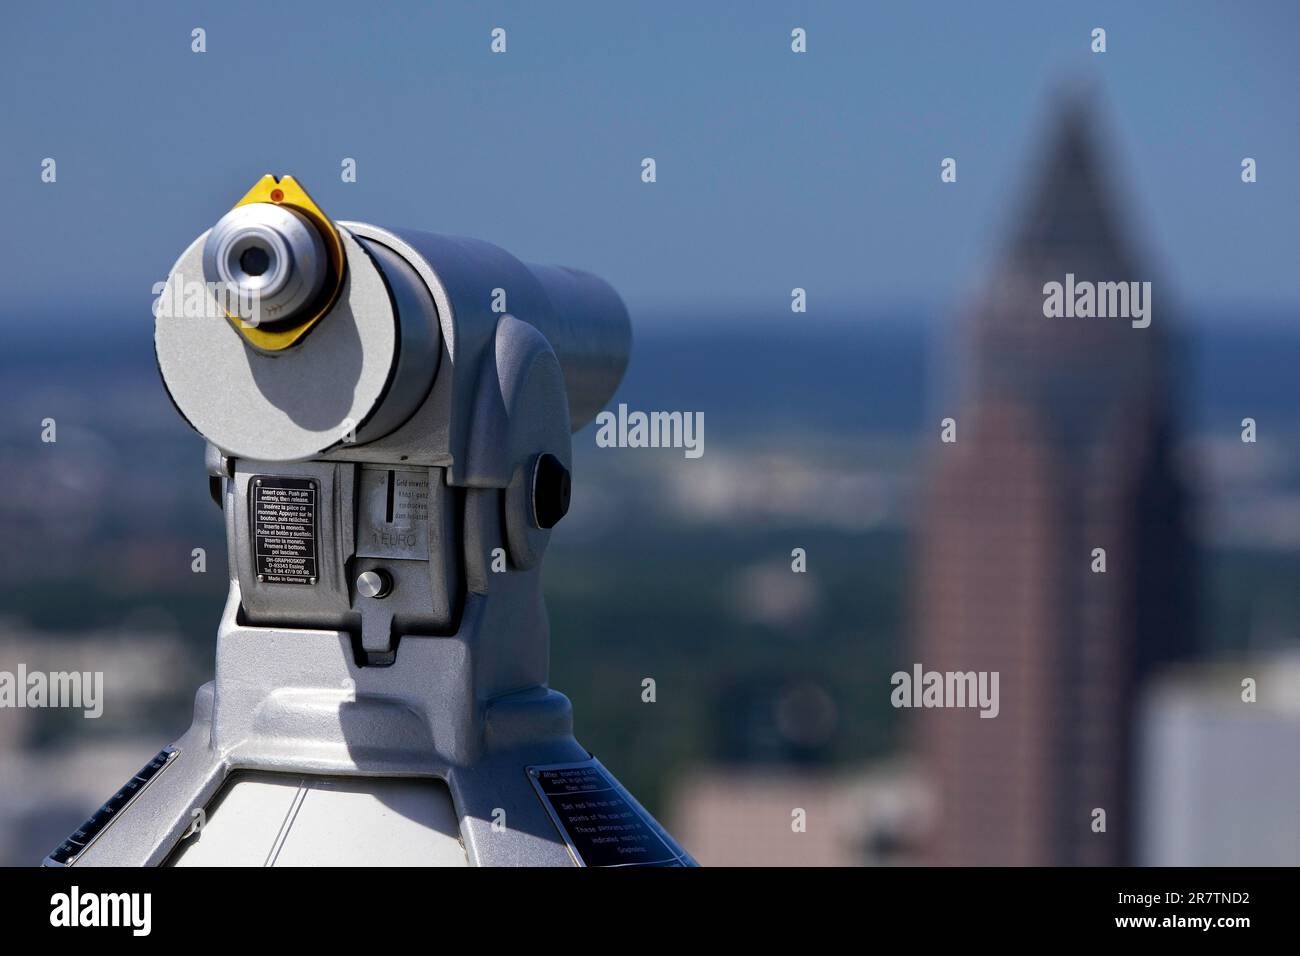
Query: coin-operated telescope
x=388 y=417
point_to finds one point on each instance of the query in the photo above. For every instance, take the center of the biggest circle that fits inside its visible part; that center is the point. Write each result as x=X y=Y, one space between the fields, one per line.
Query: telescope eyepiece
x=255 y=260
x=271 y=253
x=382 y=307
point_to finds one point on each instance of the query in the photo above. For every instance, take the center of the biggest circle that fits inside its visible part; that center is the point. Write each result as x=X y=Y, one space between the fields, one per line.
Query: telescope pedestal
x=299 y=755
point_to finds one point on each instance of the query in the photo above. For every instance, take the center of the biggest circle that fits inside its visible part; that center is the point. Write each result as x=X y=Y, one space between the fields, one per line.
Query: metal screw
x=376 y=583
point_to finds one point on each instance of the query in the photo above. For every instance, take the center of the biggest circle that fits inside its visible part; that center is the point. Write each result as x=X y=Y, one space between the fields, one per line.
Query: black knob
x=551 y=490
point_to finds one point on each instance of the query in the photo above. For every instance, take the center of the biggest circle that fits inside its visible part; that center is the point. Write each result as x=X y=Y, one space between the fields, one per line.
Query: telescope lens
x=271 y=254
x=254 y=260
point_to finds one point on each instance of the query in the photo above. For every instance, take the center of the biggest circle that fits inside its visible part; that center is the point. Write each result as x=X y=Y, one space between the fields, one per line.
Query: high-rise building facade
x=1063 y=459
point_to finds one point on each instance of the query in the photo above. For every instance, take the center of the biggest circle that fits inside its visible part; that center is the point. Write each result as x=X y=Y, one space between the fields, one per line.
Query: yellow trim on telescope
x=287 y=192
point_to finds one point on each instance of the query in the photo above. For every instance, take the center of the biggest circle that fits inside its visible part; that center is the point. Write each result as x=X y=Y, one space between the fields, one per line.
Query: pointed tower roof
x=1072 y=203
x=1071 y=371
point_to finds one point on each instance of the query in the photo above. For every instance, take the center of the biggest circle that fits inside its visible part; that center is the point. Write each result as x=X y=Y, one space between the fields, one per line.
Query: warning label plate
x=284 y=529
x=600 y=822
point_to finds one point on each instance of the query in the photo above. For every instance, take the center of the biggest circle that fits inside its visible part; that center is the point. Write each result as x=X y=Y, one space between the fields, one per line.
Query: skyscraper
x=1063 y=458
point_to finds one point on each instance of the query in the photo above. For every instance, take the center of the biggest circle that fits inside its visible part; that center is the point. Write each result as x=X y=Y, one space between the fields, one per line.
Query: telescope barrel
x=591 y=334
x=329 y=334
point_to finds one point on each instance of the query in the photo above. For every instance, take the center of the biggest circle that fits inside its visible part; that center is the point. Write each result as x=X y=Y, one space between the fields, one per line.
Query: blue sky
x=774 y=170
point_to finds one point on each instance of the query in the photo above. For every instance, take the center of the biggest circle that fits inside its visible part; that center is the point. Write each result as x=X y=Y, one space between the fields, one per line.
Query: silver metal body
x=381 y=665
